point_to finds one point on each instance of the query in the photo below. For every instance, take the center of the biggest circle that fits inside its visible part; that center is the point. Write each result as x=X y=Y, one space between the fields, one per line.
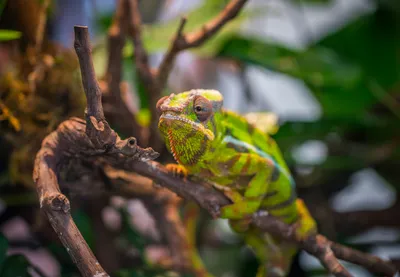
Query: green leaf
x=16 y=265
x=3 y=250
x=6 y=35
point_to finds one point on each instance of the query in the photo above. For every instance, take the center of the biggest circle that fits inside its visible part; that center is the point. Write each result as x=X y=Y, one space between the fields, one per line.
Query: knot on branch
x=213 y=206
x=57 y=202
x=100 y=133
x=129 y=148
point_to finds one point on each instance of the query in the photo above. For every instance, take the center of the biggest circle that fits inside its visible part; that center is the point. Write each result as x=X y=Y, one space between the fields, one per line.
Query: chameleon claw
x=177 y=170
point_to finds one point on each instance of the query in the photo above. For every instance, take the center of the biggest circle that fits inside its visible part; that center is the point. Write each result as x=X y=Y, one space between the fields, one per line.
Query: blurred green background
x=328 y=69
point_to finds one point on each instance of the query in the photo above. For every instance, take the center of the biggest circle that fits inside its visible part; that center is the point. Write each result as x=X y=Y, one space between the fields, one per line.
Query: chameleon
x=237 y=158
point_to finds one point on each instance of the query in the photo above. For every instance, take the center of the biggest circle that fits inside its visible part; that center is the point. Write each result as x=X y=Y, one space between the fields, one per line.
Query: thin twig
x=168 y=60
x=182 y=42
x=120 y=116
x=116 y=42
x=140 y=54
x=41 y=25
x=144 y=72
x=370 y=262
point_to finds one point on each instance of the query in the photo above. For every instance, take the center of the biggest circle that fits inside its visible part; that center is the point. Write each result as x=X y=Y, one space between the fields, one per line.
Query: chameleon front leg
x=177 y=170
x=248 y=203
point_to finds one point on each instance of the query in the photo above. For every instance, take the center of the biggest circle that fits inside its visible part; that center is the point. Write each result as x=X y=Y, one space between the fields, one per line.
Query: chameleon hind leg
x=275 y=256
x=249 y=202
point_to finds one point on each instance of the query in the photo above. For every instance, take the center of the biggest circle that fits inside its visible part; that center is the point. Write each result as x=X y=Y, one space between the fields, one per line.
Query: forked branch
x=182 y=42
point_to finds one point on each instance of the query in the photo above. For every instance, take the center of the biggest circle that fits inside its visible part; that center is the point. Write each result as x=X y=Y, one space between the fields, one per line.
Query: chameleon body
x=221 y=147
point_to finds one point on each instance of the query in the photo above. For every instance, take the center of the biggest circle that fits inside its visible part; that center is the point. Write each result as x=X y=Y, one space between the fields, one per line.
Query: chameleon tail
x=190 y=215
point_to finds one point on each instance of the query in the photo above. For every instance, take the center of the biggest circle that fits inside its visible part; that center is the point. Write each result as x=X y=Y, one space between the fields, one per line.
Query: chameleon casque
x=221 y=147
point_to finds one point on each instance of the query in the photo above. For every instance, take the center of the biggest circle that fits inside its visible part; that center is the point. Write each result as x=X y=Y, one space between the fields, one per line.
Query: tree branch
x=57 y=208
x=104 y=139
x=144 y=72
x=182 y=42
x=120 y=116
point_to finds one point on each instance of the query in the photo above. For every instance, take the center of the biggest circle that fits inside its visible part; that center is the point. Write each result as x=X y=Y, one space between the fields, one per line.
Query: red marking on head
x=172 y=145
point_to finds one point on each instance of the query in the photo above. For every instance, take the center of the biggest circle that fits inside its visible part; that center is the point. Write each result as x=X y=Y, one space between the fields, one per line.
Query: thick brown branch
x=98 y=130
x=57 y=208
x=92 y=91
x=194 y=39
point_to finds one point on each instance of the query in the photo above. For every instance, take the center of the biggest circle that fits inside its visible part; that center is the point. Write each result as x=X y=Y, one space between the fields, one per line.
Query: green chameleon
x=237 y=158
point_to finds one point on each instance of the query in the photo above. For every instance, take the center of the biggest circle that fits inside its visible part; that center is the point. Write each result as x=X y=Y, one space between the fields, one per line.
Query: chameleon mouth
x=168 y=118
x=179 y=131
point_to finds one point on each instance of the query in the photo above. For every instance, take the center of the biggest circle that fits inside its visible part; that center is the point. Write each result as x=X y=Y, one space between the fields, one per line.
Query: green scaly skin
x=246 y=164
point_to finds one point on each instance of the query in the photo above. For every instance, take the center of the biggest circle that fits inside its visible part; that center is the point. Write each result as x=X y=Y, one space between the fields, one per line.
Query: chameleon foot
x=306 y=225
x=177 y=170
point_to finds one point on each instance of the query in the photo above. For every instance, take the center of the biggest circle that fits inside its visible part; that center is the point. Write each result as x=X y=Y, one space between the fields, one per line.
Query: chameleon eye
x=202 y=107
x=159 y=103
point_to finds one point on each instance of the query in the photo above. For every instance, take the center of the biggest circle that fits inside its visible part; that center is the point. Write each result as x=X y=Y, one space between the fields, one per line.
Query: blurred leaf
x=373 y=43
x=131 y=234
x=9 y=35
x=82 y=221
x=376 y=130
x=15 y=265
x=3 y=249
x=318 y=67
x=143 y=117
x=334 y=81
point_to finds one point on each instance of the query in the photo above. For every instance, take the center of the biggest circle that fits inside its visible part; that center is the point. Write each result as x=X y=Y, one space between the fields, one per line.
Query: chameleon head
x=188 y=123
